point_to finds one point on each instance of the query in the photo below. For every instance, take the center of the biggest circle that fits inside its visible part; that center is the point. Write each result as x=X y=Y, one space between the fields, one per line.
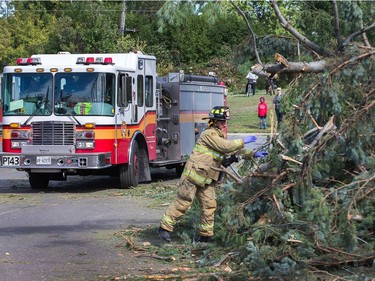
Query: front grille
x=53 y=133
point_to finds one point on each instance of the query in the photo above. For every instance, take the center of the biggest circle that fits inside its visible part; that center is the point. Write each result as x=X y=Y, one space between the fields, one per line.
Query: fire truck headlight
x=18 y=134
x=85 y=135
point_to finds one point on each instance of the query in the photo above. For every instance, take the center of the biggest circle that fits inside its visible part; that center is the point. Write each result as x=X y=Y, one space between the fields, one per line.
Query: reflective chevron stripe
x=204 y=150
x=195 y=177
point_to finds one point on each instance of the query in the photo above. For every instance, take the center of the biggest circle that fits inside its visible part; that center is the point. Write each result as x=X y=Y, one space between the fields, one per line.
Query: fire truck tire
x=129 y=174
x=39 y=181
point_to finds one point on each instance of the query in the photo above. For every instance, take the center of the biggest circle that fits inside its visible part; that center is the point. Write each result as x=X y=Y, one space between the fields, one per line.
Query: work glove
x=260 y=154
x=229 y=160
x=249 y=139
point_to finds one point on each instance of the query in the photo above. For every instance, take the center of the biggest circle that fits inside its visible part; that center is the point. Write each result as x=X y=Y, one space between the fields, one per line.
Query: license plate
x=11 y=160
x=43 y=160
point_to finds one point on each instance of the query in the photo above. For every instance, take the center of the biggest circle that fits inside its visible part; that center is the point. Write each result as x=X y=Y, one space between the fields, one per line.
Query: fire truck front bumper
x=73 y=161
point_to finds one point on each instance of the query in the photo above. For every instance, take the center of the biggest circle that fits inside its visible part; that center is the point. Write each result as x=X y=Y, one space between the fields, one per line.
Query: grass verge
x=244 y=112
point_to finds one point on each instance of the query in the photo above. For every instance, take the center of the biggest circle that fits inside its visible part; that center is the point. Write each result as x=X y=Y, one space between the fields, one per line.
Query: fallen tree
x=308 y=208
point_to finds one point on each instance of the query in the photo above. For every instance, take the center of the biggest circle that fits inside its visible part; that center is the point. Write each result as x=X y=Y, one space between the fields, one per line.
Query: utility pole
x=123 y=16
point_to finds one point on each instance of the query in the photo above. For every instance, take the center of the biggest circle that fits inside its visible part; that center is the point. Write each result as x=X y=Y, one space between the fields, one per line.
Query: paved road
x=261 y=139
x=67 y=233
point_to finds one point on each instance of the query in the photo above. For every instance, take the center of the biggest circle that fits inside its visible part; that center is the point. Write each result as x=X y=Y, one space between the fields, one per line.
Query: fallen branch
x=155 y=256
x=263 y=191
x=327 y=273
x=326 y=128
x=351 y=61
x=340 y=262
x=313 y=120
x=288 y=186
x=279 y=58
x=332 y=250
x=129 y=243
x=224 y=259
x=277 y=203
x=287 y=158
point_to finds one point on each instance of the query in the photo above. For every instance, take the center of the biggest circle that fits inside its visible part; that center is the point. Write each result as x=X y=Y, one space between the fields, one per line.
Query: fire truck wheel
x=129 y=174
x=39 y=181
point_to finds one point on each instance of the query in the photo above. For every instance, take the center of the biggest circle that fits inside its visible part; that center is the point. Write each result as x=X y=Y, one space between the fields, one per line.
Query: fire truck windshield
x=32 y=94
x=86 y=93
x=27 y=94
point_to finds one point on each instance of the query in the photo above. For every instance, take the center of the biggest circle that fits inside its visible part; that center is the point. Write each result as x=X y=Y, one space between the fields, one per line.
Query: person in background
x=251 y=83
x=276 y=101
x=199 y=179
x=270 y=85
x=262 y=113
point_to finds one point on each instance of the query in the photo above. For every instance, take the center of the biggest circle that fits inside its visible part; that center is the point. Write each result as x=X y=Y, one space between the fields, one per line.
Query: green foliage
x=25 y=32
x=128 y=44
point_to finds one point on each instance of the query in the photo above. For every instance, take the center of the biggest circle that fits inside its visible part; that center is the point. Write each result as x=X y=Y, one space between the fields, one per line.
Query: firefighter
x=198 y=179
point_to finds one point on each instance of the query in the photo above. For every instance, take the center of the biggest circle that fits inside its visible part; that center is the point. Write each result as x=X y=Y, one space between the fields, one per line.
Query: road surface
x=67 y=232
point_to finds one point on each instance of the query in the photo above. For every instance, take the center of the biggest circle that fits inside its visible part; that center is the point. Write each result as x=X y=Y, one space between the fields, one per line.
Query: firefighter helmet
x=219 y=113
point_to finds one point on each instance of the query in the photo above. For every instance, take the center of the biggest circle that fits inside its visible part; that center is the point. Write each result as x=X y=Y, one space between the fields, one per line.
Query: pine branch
x=351 y=61
x=263 y=191
x=358 y=32
x=287 y=26
x=250 y=28
x=360 y=189
x=335 y=277
x=348 y=124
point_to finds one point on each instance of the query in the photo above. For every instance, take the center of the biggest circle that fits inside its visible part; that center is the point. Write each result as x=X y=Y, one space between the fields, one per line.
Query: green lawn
x=244 y=112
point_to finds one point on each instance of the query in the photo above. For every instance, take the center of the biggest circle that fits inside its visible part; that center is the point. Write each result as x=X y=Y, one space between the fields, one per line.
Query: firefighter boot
x=203 y=239
x=164 y=234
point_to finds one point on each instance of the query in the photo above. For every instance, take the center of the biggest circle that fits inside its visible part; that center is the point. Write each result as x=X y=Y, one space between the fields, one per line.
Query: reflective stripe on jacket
x=208 y=152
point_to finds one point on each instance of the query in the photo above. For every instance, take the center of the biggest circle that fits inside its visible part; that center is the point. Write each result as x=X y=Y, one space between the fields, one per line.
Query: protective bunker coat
x=198 y=179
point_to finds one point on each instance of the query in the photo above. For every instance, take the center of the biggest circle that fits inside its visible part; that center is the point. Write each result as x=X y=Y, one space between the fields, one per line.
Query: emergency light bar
x=92 y=60
x=29 y=61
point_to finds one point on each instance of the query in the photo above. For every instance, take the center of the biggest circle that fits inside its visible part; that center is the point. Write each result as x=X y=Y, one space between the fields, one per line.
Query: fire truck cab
x=94 y=114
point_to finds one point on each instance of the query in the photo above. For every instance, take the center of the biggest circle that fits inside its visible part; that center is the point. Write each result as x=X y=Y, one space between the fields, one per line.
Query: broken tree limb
x=279 y=58
x=263 y=191
x=351 y=61
x=327 y=127
x=293 y=67
x=288 y=186
x=313 y=120
x=287 y=158
x=302 y=39
x=358 y=32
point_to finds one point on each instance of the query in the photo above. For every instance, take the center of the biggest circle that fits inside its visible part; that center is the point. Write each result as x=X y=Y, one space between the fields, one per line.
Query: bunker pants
x=185 y=196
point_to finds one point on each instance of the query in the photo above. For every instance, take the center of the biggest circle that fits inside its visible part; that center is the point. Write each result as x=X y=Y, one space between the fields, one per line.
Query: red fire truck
x=95 y=114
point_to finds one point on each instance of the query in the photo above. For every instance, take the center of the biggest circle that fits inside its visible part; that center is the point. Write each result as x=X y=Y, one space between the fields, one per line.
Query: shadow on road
x=17 y=182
